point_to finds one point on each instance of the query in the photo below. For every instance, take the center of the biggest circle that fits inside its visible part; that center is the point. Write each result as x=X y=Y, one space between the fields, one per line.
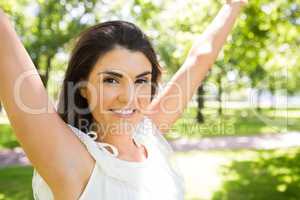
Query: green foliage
x=265 y=45
x=47 y=26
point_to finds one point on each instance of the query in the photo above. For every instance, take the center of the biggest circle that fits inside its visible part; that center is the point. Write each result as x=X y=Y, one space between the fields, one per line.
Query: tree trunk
x=48 y=70
x=220 y=93
x=274 y=101
x=45 y=77
x=200 y=102
x=273 y=98
x=258 y=100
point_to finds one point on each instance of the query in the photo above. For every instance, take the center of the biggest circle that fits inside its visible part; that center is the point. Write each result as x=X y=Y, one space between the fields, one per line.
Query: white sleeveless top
x=156 y=178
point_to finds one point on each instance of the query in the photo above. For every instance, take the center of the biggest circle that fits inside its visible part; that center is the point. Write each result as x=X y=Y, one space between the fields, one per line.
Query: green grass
x=7 y=138
x=235 y=122
x=15 y=183
x=270 y=175
x=242 y=174
x=209 y=175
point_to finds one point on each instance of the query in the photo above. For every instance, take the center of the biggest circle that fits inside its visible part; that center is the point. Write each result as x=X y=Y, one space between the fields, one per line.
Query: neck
x=123 y=141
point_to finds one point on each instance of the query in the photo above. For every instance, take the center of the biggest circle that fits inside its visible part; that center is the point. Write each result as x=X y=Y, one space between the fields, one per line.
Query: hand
x=243 y=2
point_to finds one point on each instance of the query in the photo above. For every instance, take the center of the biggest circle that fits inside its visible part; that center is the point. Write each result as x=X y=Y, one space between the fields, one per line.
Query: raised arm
x=47 y=141
x=168 y=106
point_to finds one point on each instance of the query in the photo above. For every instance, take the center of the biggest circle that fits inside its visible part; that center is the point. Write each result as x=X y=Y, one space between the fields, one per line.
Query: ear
x=83 y=92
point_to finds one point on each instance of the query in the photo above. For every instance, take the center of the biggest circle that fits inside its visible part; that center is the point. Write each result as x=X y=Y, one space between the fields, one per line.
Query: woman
x=104 y=142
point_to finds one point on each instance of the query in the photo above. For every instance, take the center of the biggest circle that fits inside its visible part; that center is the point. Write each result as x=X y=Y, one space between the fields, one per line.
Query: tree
x=264 y=45
x=48 y=27
x=182 y=23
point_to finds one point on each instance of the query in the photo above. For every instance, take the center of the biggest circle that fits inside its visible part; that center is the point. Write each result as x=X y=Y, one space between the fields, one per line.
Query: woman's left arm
x=168 y=106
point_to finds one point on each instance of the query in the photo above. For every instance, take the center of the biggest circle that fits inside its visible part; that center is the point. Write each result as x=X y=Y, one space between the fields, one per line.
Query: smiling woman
x=111 y=62
x=109 y=93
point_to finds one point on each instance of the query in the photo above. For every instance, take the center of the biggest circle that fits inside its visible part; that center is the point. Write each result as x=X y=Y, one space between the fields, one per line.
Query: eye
x=110 y=80
x=141 y=81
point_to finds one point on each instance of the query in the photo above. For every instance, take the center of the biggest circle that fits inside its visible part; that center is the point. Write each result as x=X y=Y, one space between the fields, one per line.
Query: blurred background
x=239 y=138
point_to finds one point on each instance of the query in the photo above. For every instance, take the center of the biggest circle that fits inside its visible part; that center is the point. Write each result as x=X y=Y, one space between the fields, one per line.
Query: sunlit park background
x=239 y=138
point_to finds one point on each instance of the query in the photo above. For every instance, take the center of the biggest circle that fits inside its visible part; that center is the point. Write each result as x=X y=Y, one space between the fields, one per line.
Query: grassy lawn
x=247 y=174
x=235 y=122
x=269 y=175
x=15 y=183
x=7 y=138
x=209 y=175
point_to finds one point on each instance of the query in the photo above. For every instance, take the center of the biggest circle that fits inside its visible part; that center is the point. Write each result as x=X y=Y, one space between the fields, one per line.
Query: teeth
x=123 y=112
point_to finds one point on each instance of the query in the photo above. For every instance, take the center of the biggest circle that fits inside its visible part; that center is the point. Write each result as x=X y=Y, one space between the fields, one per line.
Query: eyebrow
x=120 y=75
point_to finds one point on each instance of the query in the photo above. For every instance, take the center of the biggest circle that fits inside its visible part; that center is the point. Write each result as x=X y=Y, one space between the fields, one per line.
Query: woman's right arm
x=48 y=142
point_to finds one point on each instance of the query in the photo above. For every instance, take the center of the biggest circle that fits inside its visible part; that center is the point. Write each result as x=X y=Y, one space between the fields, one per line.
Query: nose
x=127 y=95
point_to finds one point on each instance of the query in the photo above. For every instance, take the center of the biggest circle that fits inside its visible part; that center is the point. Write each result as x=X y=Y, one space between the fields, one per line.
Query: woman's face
x=119 y=90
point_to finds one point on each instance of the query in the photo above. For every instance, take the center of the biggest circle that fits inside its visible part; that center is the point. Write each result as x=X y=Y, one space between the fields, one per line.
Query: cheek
x=107 y=96
x=101 y=97
x=144 y=95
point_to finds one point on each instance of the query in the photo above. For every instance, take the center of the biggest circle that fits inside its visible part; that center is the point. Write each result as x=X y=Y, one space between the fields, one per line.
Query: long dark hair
x=90 y=46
